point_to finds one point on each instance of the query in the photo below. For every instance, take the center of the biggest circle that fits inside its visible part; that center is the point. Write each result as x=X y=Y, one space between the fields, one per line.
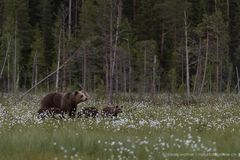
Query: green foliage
x=37 y=48
x=172 y=78
x=234 y=25
x=159 y=21
x=46 y=25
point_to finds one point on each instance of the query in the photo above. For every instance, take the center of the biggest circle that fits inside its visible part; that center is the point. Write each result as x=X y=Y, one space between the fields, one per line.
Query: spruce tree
x=24 y=35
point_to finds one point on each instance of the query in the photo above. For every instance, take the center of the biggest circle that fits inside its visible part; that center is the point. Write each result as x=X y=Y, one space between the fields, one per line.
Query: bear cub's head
x=80 y=96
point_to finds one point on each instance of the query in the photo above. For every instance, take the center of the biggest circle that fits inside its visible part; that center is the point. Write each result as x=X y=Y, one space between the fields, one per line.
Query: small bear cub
x=111 y=111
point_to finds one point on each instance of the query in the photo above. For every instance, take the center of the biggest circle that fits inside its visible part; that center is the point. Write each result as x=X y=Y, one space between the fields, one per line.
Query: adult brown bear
x=65 y=103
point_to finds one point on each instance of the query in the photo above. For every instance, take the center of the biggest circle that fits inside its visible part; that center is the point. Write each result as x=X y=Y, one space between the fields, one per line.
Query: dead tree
x=113 y=48
x=6 y=57
x=205 y=64
x=187 y=58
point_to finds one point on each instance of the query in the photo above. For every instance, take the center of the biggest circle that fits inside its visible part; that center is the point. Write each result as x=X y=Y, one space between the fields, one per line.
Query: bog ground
x=167 y=129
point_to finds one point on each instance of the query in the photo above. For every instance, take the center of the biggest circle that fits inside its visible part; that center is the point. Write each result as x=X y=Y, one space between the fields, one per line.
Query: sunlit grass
x=145 y=130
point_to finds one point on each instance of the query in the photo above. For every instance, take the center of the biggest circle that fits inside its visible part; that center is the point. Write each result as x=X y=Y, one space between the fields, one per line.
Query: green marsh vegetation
x=145 y=130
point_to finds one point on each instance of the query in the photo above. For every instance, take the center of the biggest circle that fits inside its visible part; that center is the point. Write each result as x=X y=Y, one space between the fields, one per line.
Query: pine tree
x=46 y=25
x=7 y=38
x=24 y=36
x=234 y=25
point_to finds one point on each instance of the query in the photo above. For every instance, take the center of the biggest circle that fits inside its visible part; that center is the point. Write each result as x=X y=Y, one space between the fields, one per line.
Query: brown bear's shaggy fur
x=88 y=112
x=64 y=102
x=111 y=111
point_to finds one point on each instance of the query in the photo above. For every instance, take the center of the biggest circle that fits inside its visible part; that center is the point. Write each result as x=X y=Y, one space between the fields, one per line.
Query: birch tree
x=37 y=56
x=187 y=57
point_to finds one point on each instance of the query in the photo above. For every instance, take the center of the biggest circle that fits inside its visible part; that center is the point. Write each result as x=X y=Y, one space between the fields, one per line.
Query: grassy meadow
x=208 y=128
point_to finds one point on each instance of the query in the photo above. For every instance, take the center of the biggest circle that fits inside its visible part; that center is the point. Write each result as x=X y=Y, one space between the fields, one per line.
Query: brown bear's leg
x=44 y=112
x=72 y=112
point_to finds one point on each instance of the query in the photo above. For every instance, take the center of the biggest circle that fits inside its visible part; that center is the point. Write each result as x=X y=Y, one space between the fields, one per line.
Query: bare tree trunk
x=68 y=70
x=162 y=39
x=76 y=18
x=175 y=34
x=64 y=57
x=110 y=96
x=228 y=8
x=33 y=69
x=8 y=75
x=205 y=66
x=117 y=35
x=15 y=60
x=217 y=69
x=124 y=79
x=116 y=77
x=110 y=92
x=229 y=79
x=221 y=72
x=25 y=80
x=5 y=58
x=113 y=50
x=58 y=59
x=238 y=80
x=187 y=58
x=197 y=77
x=154 y=76
x=85 y=67
x=144 y=69
x=18 y=77
x=210 y=82
x=162 y=50
x=130 y=72
x=69 y=18
x=36 y=71
x=107 y=71
x=94 y=82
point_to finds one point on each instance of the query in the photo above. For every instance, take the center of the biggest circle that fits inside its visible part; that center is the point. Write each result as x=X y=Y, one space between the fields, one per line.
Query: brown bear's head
x=80 y=96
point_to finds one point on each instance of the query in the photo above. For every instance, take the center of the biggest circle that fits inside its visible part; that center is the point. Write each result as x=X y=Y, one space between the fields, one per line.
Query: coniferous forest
x=119 y=79
x=113 y=46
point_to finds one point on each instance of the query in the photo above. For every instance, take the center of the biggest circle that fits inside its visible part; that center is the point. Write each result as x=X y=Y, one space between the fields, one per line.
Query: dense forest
x=114 y=46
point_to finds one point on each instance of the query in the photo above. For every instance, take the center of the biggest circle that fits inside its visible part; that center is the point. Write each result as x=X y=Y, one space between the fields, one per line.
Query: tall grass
x=164 y=129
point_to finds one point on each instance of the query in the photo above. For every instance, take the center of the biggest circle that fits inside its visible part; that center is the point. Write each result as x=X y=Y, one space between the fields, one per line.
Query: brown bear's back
x=52 y=100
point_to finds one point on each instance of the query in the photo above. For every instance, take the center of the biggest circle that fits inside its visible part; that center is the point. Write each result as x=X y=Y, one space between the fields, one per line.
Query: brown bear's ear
x=75 y=93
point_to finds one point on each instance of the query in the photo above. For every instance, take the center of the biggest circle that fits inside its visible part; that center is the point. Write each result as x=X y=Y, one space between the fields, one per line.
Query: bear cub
x=88 y=112
x=111 y=111
x=64 y=103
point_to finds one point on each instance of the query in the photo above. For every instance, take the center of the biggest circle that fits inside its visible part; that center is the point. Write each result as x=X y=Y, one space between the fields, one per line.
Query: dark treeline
x=143 y=46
